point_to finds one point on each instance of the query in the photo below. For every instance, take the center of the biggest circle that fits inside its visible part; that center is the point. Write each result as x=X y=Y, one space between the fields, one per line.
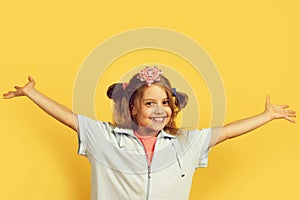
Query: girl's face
x=154 y=111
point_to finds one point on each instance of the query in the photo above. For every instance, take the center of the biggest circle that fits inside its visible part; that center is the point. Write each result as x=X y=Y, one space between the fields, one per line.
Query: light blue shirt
x=120 y=168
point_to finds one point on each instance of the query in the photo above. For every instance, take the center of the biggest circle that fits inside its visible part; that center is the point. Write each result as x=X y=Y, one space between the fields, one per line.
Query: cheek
x=169 y=111
x=145 y=113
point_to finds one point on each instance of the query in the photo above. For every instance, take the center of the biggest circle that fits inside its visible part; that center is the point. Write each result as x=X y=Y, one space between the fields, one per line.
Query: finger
x=268 y=99
x=291 y=114
x=30 y=79
x=284 y=106
x=10 y=92
x=17 y=87
x=291 y=111
x=290 y=119
x=4 y=96
x=8 y=95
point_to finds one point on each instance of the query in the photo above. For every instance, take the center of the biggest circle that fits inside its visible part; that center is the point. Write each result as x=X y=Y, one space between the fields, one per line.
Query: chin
x=157 y=127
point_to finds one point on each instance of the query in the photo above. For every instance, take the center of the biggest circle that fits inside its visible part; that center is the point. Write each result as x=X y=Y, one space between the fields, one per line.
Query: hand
x=279 y=111
x=20 y=91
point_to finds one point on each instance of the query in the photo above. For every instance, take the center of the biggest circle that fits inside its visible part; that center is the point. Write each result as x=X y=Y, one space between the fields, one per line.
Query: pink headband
x=149 y=75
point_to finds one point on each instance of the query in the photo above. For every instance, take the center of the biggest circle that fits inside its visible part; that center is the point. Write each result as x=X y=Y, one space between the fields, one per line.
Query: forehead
x=154 y=91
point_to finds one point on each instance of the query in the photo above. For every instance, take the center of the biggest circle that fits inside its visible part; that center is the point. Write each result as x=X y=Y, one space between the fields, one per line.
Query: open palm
x=20 y=91
x=279 y=111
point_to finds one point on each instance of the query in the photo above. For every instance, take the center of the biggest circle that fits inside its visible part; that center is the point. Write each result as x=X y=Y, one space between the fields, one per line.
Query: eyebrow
x=154 y=99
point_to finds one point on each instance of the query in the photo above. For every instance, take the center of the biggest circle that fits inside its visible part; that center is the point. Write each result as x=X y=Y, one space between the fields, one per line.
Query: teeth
x=158 y=119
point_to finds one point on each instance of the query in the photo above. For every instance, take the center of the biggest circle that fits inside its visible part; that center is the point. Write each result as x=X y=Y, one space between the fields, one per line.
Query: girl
x=142 y=154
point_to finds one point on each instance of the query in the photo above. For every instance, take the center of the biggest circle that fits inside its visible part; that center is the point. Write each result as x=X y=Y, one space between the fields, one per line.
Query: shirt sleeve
x=203 y=161
x=200 y=144
x=89 y=132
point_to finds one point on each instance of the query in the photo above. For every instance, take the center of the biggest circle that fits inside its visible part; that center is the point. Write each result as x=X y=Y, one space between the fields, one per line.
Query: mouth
x=158 y=119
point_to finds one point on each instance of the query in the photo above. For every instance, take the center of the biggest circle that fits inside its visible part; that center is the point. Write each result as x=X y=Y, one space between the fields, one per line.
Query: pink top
x=149 y=143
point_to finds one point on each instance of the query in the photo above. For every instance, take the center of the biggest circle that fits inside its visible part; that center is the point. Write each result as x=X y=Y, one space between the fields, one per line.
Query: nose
x=159 y=109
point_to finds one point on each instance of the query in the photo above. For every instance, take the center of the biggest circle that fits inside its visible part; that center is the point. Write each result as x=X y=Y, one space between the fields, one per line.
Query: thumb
x=268 y=100
x=30 y=78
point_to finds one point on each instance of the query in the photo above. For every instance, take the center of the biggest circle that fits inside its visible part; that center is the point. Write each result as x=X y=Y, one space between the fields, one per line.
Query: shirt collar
x=124 y=131
x=165 y=134
x=161 y=134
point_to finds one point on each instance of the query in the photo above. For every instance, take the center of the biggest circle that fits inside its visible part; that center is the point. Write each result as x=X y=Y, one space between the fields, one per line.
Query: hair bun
x=181 y=100
x=115 y=91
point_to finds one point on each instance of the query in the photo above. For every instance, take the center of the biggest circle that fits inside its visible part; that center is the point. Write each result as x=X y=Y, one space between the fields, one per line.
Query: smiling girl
x=142 y=154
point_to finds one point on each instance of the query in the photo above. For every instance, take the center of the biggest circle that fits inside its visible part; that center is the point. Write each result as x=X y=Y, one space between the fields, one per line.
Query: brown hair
x=125 y=96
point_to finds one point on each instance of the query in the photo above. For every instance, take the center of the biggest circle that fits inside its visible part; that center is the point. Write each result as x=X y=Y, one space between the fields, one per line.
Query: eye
x=166 y=102
x=149 y=103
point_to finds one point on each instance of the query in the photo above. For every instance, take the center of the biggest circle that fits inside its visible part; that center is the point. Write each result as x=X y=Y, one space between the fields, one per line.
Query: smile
x=158 y=119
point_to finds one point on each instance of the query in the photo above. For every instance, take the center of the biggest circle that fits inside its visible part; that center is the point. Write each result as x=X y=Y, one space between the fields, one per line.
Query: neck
x=147 y=132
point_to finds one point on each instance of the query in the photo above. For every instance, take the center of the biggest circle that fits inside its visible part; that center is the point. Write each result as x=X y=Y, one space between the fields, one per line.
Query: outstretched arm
x=246 y=125
x=54 y=109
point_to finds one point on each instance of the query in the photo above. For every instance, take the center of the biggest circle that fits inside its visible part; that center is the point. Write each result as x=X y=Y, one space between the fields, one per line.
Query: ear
x=133 y=110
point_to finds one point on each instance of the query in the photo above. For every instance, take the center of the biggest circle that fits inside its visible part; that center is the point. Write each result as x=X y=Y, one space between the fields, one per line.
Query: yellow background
x=255 y=45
